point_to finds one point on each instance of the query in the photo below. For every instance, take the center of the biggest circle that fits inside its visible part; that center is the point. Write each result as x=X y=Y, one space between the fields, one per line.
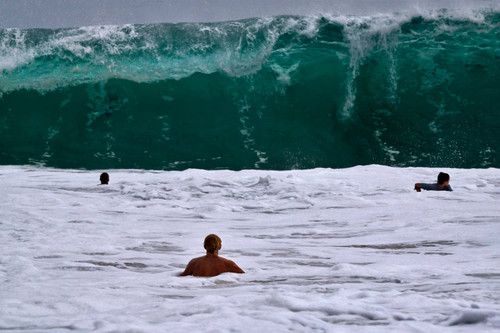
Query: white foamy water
x=352 y=250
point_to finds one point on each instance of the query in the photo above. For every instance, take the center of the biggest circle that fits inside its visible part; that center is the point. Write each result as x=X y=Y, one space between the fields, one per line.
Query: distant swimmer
x=443 y=184
x=211 y=264
x=104 y=178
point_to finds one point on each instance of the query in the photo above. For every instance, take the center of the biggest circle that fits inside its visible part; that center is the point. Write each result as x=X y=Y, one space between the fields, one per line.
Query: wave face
x=271 y=93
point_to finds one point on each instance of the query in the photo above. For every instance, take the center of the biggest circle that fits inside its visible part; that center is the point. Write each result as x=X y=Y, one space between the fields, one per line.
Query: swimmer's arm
x=427 y=187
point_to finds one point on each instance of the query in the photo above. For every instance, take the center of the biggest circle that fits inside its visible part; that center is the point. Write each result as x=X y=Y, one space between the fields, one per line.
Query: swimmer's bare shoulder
x=210 y=265
x=191 y=266
x=231 y=266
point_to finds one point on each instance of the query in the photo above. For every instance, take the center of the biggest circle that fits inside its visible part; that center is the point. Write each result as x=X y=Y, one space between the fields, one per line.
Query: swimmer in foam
x=443 y=184
x=211 y=264
x=104 y=178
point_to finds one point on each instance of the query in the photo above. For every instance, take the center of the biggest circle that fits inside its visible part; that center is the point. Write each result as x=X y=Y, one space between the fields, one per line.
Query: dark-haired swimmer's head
x=104 y=178
x=443 y=177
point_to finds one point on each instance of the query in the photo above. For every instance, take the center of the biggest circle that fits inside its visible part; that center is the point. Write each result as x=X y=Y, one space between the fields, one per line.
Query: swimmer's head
x=443 y=177
x=104 y=178
x=212 y=243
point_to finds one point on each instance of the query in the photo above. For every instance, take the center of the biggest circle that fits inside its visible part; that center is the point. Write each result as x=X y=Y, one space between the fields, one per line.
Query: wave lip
x=44 y=60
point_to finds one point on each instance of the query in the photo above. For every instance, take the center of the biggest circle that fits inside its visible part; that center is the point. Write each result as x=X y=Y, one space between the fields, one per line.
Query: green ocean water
x=267 y=93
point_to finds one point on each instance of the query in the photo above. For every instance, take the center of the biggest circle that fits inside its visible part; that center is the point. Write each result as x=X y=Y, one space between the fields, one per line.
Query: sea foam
x=323 y=250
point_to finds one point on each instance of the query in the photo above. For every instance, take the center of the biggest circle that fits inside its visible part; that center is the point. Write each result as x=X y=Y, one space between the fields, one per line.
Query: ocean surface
x=296 y=138
x=324 y=250
x=279 y=92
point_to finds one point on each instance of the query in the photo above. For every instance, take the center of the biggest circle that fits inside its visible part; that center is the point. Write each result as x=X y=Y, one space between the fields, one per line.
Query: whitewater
x=324 y=250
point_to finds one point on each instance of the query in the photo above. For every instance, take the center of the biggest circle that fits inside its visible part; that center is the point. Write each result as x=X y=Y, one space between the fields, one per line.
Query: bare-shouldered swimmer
x=211 y=264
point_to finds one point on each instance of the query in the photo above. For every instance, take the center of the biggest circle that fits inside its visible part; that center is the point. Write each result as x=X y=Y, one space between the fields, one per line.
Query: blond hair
x=212 y=243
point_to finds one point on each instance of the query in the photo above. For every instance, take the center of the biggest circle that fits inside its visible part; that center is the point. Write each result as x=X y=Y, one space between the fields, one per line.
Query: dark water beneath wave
x=270 y=93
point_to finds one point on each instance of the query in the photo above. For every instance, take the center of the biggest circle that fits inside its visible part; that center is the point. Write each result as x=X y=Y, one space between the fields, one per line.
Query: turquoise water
x=268 y=93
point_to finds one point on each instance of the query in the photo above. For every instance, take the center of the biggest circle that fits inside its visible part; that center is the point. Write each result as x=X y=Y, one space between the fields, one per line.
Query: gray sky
x=70 y=13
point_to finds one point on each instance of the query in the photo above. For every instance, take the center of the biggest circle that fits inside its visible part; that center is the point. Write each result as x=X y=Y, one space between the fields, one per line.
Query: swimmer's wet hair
x=104 y=178
x=212 y=243
x=443 y=177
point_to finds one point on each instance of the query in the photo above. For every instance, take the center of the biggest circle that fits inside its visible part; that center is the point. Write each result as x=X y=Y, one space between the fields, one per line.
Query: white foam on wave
x=328 y=250
x=92 y=54
x=13 y=51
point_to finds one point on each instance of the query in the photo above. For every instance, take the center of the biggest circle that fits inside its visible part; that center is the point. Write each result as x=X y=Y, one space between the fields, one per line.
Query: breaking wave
x=272 y=93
